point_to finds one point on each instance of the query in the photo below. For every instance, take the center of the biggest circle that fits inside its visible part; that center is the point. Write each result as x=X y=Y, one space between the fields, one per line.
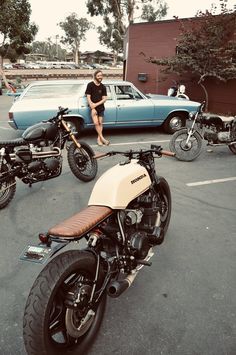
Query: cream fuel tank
x=119 y=185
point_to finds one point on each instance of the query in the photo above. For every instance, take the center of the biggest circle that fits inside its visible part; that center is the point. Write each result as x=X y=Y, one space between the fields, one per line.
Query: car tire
x=174 y=122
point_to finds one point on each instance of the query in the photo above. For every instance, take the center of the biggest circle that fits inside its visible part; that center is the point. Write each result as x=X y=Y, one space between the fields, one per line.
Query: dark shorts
x=100 y=113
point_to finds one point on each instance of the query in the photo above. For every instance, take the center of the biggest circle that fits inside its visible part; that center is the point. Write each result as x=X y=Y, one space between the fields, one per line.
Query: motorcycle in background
x=178 y=90
x=128 y=214
x=37 y=156
x=186 y=143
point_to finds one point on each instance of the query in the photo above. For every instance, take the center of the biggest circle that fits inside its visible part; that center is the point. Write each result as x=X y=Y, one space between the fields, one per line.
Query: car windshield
x=53 y=91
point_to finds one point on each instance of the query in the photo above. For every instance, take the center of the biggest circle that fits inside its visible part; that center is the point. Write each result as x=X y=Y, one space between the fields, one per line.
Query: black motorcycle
x=186 y=143
x=37 y=156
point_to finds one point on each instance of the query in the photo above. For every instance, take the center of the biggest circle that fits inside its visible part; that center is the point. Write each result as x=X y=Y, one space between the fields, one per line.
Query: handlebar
x=156 y=149
x=61 y=111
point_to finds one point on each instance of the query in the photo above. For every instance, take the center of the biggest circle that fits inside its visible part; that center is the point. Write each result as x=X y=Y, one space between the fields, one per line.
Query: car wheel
x=174 y=122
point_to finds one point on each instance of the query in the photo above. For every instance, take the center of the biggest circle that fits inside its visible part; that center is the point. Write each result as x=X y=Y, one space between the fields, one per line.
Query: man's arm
x=93 y=104
x=8 y=86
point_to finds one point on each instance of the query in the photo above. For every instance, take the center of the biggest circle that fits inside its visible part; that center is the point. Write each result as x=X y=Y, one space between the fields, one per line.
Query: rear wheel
x=7 y=188
x=82 y=162
x=52 y=325
x=232 y=147
x=186 y=151
x=174 y=122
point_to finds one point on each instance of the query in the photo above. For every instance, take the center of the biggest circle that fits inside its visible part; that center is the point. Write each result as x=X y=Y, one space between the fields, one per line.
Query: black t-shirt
x=96 y=92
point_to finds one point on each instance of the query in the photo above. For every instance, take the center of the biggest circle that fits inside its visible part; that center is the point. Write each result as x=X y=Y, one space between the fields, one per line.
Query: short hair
x=96 y=73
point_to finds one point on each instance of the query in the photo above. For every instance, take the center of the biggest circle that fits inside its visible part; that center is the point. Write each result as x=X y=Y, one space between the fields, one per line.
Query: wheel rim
x=176 y=122
x=186 y=150
x=83 y=161
x=63 y=322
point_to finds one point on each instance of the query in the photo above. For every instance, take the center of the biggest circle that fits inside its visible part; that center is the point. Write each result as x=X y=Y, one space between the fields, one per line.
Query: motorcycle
x=128 y=214
x=37 y=156
x=186 y=143
x=177 y=90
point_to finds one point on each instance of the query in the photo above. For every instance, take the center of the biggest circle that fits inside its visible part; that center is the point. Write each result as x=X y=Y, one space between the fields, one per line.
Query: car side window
x=126 y=92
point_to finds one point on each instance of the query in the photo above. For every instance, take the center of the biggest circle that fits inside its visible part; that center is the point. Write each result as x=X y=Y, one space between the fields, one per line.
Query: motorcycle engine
x=139 y=222
x=42 y=167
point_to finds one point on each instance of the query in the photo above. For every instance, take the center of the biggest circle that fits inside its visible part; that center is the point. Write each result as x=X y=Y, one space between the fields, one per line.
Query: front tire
x=50 y=326
x=7 y=189
x=182 y=150
x=232 y=147
x=82 y=162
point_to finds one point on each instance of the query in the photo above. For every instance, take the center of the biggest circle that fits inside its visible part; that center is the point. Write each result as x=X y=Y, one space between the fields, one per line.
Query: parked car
x=126 y=106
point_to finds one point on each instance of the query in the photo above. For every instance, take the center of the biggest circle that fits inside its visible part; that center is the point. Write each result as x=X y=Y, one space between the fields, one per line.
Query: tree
x=48 y=48
x=118 y=14
x=75 y=29
x=206 y=48
x=16 y=31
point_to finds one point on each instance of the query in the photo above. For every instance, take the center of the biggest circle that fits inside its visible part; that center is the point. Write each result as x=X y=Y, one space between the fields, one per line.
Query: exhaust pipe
x=116 y=288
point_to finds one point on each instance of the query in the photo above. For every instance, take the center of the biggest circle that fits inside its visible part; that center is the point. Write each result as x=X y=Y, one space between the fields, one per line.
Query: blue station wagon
x=126 y=106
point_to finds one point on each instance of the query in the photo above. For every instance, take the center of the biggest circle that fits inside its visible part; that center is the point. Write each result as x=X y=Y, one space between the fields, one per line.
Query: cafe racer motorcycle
x=37 y=155
x=128 y=214
x=186 y=143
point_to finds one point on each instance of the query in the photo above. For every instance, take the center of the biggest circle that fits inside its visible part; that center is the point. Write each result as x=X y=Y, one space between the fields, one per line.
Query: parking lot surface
x=184 y=304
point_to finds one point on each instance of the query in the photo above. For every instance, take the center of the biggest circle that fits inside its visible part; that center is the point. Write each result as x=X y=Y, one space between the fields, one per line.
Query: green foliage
x=117 y=15
x=16 y=31
x=51 y=50
x=149 y=13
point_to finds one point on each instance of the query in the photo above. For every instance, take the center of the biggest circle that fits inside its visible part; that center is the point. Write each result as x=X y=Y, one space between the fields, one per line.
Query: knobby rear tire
x=82 y=162
x=46 y=299
x=181 y=150
x=164 y=198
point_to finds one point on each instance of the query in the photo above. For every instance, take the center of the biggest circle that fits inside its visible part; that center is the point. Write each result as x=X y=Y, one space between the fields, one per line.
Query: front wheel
x=52 y=324
x=232 y=147
x=82 y=162
x=163 y=201
x=7 y=187
x=186 y=151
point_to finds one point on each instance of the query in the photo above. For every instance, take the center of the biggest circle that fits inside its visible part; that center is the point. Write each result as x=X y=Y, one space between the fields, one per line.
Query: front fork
x=191 y=130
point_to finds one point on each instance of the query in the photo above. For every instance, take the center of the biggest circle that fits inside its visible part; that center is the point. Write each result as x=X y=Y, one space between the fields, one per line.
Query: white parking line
x=134 y=143
x=208 y=182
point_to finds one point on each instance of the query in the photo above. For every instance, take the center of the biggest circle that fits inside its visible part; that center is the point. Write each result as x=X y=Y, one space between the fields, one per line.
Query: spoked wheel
x=52 y=324
x=186 y=151
x=163 y=202
x=232 y=147
x=82 y=162
x=7 y=188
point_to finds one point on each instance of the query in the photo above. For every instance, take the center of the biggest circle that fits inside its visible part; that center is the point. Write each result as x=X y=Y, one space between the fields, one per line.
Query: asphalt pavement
x=184 y=304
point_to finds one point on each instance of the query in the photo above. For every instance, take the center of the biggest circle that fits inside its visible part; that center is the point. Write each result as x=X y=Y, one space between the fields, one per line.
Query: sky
x=48 y=13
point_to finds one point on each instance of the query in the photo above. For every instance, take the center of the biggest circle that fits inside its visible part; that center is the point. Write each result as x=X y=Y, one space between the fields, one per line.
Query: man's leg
x=100 y=120
x=98 y=126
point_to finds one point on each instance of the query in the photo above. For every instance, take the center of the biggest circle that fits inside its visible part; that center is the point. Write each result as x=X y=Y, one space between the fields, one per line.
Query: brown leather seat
x=81 y=222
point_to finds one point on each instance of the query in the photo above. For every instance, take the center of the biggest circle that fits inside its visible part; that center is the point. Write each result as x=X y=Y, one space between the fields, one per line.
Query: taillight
x=10 y=115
